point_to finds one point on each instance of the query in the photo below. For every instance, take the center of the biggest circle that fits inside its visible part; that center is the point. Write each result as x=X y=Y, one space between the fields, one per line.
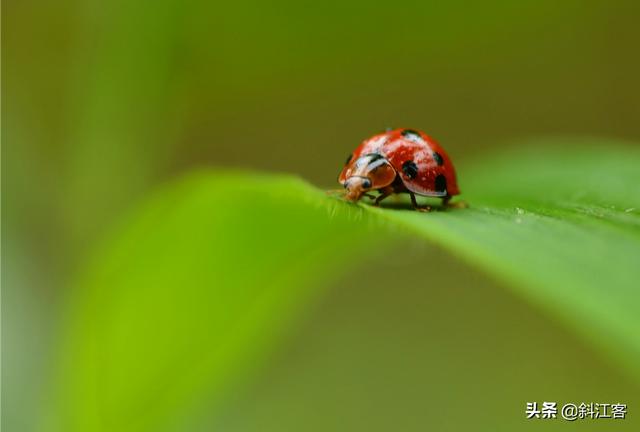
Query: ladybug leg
x=369 y=196
x=459 y=204
x=384 y=192
x=415 y=205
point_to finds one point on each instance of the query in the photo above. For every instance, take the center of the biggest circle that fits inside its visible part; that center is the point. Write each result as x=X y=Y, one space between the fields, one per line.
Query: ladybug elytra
x=399 y=161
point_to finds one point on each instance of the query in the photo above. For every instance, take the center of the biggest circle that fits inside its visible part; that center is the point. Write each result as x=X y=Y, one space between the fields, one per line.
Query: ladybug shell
x=423 y=166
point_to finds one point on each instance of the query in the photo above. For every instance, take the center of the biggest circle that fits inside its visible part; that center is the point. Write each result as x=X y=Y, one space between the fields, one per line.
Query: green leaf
x=202 y=280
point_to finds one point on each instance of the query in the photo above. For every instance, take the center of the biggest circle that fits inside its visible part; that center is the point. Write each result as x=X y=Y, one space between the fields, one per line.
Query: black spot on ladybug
x=441 y=183
x=410 y=169
x=349 y=159
x=408 y=132
x=412 y=135
x=438 y=158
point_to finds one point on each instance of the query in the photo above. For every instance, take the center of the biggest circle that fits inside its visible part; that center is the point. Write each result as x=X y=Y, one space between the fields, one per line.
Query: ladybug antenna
x=335 y=192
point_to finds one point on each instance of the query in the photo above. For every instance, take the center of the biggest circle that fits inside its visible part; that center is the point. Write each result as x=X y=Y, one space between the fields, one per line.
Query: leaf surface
x=204 y=277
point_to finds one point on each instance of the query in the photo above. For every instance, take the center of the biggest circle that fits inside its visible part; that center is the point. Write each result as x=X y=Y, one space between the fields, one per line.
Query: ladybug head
x=368 y=172
x=356 y=186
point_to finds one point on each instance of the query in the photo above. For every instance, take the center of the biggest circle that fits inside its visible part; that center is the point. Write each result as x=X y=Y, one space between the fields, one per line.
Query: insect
x=399 y=161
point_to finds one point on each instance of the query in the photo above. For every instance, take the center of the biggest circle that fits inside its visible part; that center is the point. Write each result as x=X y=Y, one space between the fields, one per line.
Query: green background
x=106 y=101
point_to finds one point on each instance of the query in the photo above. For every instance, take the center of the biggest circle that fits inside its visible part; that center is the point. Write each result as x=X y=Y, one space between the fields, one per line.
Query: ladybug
x=399 y=161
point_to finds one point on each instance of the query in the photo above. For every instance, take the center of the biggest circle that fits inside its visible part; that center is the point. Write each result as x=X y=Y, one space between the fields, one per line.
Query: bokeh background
x=105 y=101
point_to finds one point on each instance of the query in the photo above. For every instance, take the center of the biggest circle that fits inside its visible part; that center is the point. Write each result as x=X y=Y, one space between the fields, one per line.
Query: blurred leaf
x=126 y=80
x=191 y=289
x=204 y=278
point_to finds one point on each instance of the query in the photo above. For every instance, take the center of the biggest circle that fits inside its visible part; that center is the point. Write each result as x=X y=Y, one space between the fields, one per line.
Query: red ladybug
x=399 y=160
